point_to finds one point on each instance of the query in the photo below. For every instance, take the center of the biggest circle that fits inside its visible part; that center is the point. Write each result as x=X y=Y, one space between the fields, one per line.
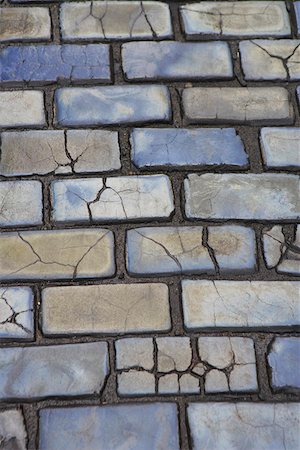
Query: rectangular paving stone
x=117 y=198
x=21 y=203
x=12 y=430
x=112 y=105
x=297 y=11
x=50 y=63
x=176 y=60
x=53 y=370
x=234 y=19
x=240 y=304
x=230 y=196
x=16 y=313
x=115 y=20
x=110 y=309
x=135 y=427
x=283 y=359
x=21 y=108
x=281 y=252
x=26 y=24
x=280 y=147
x=267 y=426
x=57 y=254
x=154 y=147
x=253 y=105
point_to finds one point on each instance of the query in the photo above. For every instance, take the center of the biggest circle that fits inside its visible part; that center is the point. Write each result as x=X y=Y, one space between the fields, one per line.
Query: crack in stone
x=211 y=252
x=12 y=319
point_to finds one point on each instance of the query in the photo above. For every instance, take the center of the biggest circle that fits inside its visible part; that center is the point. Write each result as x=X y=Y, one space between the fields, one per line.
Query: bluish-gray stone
x=297 y=10
x=129 y=427
x=16 y=313
x=187 y=147
x=112 y=105
x=284 y=360
x=280 y=146
x=12 y=430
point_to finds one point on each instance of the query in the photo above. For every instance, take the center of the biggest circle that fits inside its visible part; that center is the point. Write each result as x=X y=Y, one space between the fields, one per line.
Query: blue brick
x=284 y=360
x=48 y=63
x=297 y=10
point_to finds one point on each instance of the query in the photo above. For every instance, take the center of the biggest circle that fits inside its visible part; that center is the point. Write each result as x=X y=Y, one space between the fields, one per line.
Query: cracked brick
x=280 y=147
x=283 y=359
x=16 y=313
x=28 y=24
x=13 y=434
x=22 y=108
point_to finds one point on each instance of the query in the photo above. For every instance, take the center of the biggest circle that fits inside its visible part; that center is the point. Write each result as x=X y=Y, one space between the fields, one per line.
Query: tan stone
x=20 y=108
x=24 y=23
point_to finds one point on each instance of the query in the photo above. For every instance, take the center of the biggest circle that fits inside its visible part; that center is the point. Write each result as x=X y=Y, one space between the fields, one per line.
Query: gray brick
x=297 y=10
x=283 y=359
x=134 y=352
x=21 y=108
x=24 y=24
x=281 y=252
x=12 y=430
x=280 y=147
x=136 y=382
x=16 y=313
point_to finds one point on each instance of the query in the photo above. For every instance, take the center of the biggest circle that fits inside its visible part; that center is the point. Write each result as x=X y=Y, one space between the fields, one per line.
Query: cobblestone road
x=150 y=236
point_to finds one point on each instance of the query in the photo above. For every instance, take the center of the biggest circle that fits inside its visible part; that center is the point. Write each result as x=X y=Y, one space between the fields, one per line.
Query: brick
x=280 y=147
x=134 y=352
x=280 y=252
x=115 y=20
x=230 y=196
x=57 y=254
x=176 y=60
x=53 y=370
x=52 y=63
x=110 y=309
x=297 y=11
x=131 y=426
x=173 y=353
x=12 y=430
x=117 y=198
x=16 y=313
x=265 y=426
x=171 y=250
x=135 y=382
x=283 y=359
x=240 y=304
x=21 y=108
x=21 y=203
x=112 y=105
x=154 y=147
x=24 y=24
x=254 y=105
x=234 y=19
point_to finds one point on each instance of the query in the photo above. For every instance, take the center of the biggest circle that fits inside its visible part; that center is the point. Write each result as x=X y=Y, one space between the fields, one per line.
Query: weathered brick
x=49 y=63
x=230 y=196
x=280 y=147
x=115 y=20
x=254 y=105
x=12 y=430
x=57 y=254
x=117 y=198
x=246 y=18
x=21 y=203
x=130 y=308
x=136 y=382
x=47 y=371
x=297 y=10
x=21 y=108
x=112 y=105
x=24 y=24
x=135 y=352
x=239 y=304
x=283 y=359
x=152 y=147
x=176 y=60
x=16 y=313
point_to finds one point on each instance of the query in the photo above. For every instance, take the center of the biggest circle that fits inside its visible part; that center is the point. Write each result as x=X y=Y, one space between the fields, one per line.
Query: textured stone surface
x=254 y=105
x=20 y=203
x=283 y=358
x=176 y=60
x=130 y=308
x=12 y=430
x=112 y=104
x=135 y=427
x=45 y=371
x=21 y=108
x=280 y=147
x=134 y=352
x=16 y=313
x=230 y=196
x=122 y=198
x=153 y=147
x=297 y=10
x=115 y=20
x=135 y=382
x=173 y=353
x=24 y=23
x=237 y=304
x=246 y=18
x=252 y=426
x=57 y=254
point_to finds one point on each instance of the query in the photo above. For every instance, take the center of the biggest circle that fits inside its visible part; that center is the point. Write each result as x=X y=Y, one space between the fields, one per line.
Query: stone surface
x=280 y=147
x=20 y=203
x=239 y=304
x=271 y=60
x=283 y=359
x=246 y=18
x=16 y=313
x=115 y=20
x=57 y=254
x=136 y=382
x=47 y=371
x=231 y=196
x=244 y=425
x=12 y=430
x=297 y=11
x=21 y=108
x=173 y=353
x=50 y=63
x=134 y=352
x=118 y=198
x=171 y=250
x=110 y=309
x=112 y=105
x=189 y=384
x=153 y=147
x=24 y=23
x=176 y=60
x=254 y=105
